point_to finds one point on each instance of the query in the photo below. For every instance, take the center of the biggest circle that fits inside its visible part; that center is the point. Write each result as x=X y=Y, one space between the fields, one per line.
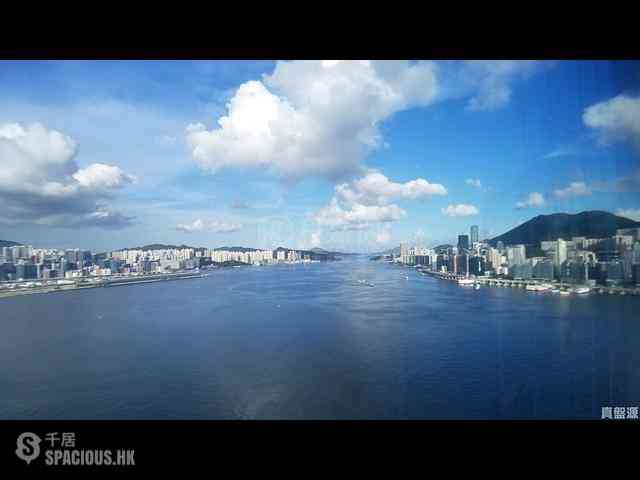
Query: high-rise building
x=561 y=252
x=463 y=243
x=516 y=255
x=474 y=234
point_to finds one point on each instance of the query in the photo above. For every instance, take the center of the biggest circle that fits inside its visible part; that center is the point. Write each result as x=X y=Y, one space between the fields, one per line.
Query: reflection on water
x=310 y=341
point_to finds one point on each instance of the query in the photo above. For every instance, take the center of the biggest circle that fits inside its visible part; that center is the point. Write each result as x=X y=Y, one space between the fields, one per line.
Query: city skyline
x=351 y=156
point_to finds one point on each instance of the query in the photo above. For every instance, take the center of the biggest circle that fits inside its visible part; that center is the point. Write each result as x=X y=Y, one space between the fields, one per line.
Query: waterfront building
x=463 y=243
x=614 y=273
x=521 y=271
x=560 y=252
x=516 y=255
x=636 y=275
x=477 y=265
x=543 y=269
x=633 y=232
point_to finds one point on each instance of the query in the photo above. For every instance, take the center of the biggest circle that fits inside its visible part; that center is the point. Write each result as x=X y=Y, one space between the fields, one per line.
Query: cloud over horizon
x=212 y=226
x=311 y=118
x=366 y=200
x=535 y=199
x=40 y=181
x=616 y=119
x=460 y=210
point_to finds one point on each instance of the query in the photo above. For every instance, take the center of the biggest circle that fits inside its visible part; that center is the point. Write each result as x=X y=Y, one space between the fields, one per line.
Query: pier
x=500 y=282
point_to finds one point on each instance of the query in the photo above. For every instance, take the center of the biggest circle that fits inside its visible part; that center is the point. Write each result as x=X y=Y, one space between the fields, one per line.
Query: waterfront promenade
x=10 y=289
x=500 y=282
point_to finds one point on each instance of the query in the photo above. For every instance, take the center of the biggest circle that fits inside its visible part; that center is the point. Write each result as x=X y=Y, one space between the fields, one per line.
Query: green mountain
x=8 y=243
x=237 y=249
x=590 y=224
x=159 y=246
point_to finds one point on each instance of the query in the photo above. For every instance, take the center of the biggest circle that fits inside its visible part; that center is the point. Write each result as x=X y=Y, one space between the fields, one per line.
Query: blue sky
x=344 y=155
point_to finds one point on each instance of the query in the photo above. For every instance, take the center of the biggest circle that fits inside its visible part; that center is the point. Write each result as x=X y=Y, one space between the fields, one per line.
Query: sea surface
x=310 y=342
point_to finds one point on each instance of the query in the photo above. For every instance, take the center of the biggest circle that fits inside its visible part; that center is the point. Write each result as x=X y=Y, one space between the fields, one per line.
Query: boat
x=581 y=290
x=537 y=288
x=477 y=287
x=565 y=292
x=466 y=282
x=555 y=290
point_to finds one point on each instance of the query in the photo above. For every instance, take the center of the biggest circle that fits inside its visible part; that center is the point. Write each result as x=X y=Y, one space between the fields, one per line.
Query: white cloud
x=615 y=119
x=312 y=118
x=490 y=81
x=100 y=176
x=460 y=210
x=333 y=215
x=535 y=199
x=199 y=225
x=366 y=200
x=40 y=181
x=474 y=182
x=632 y=213
x=196 y=226
x=376 y=189
x=575 y=189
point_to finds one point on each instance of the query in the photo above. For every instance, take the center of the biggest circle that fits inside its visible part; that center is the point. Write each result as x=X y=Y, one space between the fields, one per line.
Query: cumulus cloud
x=196 y=226
x=366 y=200
x=474 y=182
x=376 y=189
x=460 y=210
x=214 y=226
x=615 y=119
x=358 y=215
x=100 y=176
x=632 y=213
x=535 y=199
x=575 y=189
x=40 y=181
x=311 y=118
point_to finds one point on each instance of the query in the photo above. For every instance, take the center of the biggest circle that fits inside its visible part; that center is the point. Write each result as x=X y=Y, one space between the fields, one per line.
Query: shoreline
x=522 y=284
x=106 y=283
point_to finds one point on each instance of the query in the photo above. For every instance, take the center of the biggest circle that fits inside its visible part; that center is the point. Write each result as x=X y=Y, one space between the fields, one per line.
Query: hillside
x=158 y=246
x=8 y=243
x=590 y=224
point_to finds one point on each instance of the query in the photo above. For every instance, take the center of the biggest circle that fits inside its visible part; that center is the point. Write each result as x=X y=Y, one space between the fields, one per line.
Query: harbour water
x=353 y=339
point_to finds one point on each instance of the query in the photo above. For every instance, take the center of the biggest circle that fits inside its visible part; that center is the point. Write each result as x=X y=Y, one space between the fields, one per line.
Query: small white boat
x=581 y=290
x=466 y=282
x=565 y=292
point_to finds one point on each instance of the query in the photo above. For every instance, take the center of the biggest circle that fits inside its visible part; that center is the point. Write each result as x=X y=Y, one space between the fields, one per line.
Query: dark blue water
x=300 y=341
